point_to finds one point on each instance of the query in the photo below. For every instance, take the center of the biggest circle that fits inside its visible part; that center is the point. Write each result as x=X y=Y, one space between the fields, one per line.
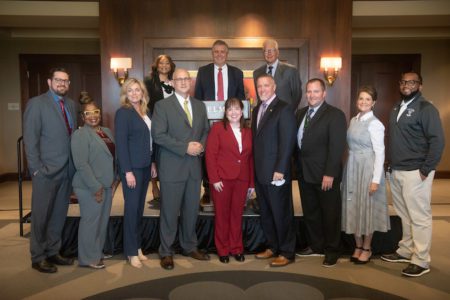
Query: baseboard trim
x=442 y=175
x=8 y=177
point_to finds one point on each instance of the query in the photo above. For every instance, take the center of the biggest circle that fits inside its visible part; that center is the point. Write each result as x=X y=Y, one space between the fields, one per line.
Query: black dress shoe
x=197 y=254
x=224 y=259
x=59 y=260
x=330 y=261
x=167 y=262
x=44 y=267
x=308 y=252
x=239 y=257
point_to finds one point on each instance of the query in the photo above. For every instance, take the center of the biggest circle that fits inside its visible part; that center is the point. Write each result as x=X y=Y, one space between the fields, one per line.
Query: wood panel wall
x=125 y=24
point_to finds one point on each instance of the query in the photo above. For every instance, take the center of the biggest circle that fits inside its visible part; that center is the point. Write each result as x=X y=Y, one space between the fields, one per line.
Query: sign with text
x=216 y=109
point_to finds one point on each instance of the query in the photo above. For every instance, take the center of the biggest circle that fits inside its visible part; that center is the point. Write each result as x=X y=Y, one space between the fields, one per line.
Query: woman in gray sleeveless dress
x=364 y=205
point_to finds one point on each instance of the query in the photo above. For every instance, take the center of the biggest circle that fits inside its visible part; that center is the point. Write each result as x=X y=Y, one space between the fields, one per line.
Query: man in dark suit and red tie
x=321 y=140
x=273 y=127
x=218 y=81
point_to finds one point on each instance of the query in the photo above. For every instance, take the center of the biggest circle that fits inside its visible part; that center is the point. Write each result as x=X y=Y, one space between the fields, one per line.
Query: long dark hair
x=229 y=103
x=154 y=73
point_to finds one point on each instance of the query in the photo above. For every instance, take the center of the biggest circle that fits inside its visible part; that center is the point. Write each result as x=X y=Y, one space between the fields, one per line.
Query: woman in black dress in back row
x=159 y=87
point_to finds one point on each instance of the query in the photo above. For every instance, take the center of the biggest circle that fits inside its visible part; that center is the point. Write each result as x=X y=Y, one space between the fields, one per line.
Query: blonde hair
x=143 y=109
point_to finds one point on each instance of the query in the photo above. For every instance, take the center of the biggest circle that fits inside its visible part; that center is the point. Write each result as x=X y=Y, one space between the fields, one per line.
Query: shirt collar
x=365 y=116
x=224 y=67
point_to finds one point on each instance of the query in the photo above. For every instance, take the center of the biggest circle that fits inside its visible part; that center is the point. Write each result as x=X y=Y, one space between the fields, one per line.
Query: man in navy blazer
x=286 y=76
x=273 y=126
x=321 y=140
x=218 y=81
x=48 y=122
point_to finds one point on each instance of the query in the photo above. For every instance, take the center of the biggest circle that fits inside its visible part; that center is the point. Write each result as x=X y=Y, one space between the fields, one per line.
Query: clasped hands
x=195 y=149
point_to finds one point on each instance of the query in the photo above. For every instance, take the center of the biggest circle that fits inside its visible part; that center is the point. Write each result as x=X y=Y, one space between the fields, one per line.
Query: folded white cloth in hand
x=278 y=182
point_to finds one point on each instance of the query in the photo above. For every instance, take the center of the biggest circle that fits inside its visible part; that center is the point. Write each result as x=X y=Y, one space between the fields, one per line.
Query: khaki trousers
x=412 y=202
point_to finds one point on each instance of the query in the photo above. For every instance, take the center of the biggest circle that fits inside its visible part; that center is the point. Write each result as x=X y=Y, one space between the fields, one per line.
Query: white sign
x=216 y=109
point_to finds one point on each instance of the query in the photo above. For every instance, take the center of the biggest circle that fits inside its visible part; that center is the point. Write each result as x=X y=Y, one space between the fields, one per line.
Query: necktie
x=270 y=70
x=263 y=111
x=403 y=107
x=308 y=118
x=220 y=95
x=186 y=110
x=66 y=120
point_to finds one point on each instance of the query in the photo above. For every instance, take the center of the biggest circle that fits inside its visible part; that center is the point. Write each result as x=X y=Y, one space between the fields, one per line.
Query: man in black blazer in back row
x=321 y=139
x=218 y=81
x=273 y=127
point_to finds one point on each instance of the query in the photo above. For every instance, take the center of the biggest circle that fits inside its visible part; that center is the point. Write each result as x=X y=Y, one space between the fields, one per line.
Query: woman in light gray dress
x=364 y=205
x=93 y=153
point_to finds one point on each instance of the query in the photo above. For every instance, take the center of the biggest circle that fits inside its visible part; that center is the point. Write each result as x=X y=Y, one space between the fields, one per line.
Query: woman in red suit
x=229 y=161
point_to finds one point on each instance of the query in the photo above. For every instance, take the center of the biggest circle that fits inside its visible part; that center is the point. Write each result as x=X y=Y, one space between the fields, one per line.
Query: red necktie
x=61 y=104
x=220 y=96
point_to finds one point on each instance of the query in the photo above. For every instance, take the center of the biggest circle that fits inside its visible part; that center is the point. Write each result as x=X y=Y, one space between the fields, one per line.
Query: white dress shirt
x=274 y=67
x=302 y=125
x=181 y=101
x=225 y=80
x=376 y=131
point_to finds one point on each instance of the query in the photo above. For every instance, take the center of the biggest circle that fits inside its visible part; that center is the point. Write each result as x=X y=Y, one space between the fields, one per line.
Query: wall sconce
x=118 y=64
x=331 y=67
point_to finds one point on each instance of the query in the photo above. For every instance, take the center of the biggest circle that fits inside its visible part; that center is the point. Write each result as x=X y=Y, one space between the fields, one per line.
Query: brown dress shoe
x=167 y=262
x=196 y=254
x=265 y=254
x=281 y=261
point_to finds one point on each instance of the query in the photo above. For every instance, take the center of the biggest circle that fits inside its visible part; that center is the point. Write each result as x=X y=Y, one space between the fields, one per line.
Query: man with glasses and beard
x=49 y=120
x=416 y=144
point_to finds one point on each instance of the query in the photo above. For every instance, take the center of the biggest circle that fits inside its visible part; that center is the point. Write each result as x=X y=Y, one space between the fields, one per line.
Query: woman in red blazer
x=229 y=162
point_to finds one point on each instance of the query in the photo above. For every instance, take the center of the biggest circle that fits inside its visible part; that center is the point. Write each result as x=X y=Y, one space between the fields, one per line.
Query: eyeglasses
x=270 y=51
x=90 y=113
x=182 y=79
x=408 y=82
x=63 y=81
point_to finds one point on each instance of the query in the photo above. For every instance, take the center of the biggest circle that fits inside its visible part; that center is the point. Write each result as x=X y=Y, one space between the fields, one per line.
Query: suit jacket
x=223 y=159
x=287 y=79
x=205 y=87
x=172 y=133
x=273 y=141
x=45 y=136
x=93 y=161
x=133 y=140
x=323 y=144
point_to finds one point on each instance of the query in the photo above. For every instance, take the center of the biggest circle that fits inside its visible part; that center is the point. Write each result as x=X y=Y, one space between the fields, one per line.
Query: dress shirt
x=274 y=68
x=376 y=131
x=260 y=111
x=181 y=101
x=302 y=125
x=56 y=98
x=238 y=135
x=225 y=80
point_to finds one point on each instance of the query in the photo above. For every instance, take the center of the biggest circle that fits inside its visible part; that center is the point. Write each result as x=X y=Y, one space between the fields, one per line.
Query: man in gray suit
x=179 y=127
x=286 y=76
x=49 y=120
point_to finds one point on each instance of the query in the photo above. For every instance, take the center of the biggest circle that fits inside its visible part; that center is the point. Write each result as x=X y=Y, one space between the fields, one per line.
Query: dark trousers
x=179 y=199
x=134 y=208
x=49 y=204
x=322 y=215
x=277 y=217
x=229 y=205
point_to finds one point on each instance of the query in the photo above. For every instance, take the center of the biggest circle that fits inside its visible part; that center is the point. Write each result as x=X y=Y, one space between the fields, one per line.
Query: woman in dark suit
x=93 y=153
x=159 y=87
x=136 y=164
x=229 y=161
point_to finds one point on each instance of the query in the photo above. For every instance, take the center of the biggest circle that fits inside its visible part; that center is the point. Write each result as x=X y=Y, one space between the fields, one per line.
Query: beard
x=410 y=96
x=60 y=92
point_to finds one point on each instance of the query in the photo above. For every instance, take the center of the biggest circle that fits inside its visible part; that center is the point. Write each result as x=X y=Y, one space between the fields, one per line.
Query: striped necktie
x=186 y=110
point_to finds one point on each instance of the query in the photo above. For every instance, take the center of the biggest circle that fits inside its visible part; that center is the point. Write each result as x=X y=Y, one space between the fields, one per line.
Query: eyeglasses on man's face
x=63 y=81
x=182 y=79
x=408 y=82
x=90 y=113
x=270 y=51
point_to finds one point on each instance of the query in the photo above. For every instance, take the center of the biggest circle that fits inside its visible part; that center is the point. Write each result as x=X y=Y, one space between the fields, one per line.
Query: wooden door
x=383 y=72
x=84 y=73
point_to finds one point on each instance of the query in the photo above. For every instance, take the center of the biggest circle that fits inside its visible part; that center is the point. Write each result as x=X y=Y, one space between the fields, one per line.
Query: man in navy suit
x=273 y=127
x=218 y=81
x=321 y=139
